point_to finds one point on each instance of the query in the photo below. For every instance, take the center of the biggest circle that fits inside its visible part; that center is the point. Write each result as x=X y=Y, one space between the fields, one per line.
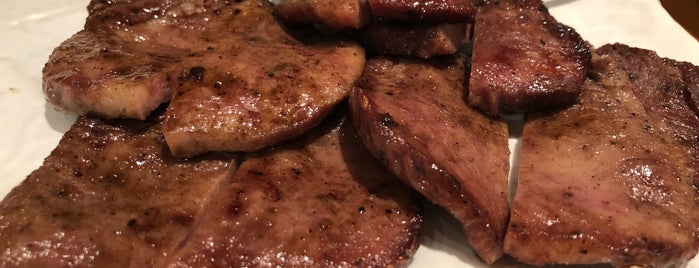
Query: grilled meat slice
x=524 y=60
x=319 y=201
x=255 y=84
x=411 y=115
x=336 y=14
x=614 y=178
x=415 y=40
x=123 y=63
x=110 y=195
x=91 y=73
x=236 y=78
x=425 y=11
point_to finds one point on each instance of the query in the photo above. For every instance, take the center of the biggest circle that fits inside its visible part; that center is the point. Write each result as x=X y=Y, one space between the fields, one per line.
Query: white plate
x=29 y=30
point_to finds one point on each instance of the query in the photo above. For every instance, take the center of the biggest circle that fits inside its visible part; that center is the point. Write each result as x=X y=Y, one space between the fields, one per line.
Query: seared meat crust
x=236 y=78
x=336 y=14
x=524 y=60
x=256 y=84
x=614 y=178
x=110 y=195
x=412 y=117
x=319 y=201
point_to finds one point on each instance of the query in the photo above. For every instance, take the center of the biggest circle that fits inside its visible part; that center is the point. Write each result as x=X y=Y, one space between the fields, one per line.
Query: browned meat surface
x=411 y=115
x=110 y=195
x=336 y=14
x=321 y=201
x=524 y=60
x=90 y=73
x=255 y=84
x=239 y=81
x=426 y=11
x=613 y=179
x=415 y=40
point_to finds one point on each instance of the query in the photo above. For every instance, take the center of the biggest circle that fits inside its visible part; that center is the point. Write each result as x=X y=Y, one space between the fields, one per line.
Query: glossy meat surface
x=237 y=79
x=336 y=14
x=90 y=73
x=320 y=201
x=110 y=195
x=425 y=11
x=613 y=179
x=411 y=115
x=524 y=60
x=256 y=83
x=415 y=40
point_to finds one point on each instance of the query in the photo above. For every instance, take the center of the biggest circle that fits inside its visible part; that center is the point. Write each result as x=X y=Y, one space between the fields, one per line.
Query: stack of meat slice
x=237 y=79
x=421 y=29
x=592 y=175
x=111 y=195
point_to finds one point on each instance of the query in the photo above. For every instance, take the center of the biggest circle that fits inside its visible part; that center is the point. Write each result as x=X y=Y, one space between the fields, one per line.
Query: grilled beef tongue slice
x=237 y=79
x=411 y=115
x=524 y=60
x=613 y=179
x=319 y=201
x=110 y=195
x=425 y=11
x=335 y=14
x=255 y=84
x=415 y=40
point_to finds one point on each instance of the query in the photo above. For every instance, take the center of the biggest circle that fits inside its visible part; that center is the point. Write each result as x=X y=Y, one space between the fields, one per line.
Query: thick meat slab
x=412 y=116
x=110 y=195
x=613 y=179
x=321 y=201
x=336 y=14
x=255 y=84
x=524 y=60
x=415 y=40
x=425 y=11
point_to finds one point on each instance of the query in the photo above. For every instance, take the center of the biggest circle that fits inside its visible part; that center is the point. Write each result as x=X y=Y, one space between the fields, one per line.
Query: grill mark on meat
x=425 y=133
x=595 y=176
x=524 y=60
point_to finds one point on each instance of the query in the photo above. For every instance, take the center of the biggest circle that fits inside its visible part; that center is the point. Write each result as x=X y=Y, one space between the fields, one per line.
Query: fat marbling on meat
x=524 y=60
x=615 y=178
x=237 y=79
x=318 y=201
x=110 y=195
x=411 y=115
